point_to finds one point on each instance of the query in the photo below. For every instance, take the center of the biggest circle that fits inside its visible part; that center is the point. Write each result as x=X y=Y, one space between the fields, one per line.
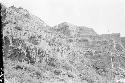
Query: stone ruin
x=34 y=52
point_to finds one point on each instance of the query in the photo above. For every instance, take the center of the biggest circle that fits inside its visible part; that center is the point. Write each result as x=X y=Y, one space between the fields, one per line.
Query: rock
x=76 y=49
x=82 y=31
x=64 y=29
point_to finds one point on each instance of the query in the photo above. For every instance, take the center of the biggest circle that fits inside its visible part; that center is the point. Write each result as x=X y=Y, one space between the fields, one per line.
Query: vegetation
x=36 y=52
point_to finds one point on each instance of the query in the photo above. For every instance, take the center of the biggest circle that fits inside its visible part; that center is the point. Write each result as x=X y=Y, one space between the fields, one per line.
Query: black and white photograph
x=62 y=41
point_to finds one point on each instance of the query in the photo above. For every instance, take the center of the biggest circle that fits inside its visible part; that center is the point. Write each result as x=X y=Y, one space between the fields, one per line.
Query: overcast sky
x=104 y=16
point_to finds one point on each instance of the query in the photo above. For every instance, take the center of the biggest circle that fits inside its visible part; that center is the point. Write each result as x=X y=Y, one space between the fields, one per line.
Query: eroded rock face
x=65 y=51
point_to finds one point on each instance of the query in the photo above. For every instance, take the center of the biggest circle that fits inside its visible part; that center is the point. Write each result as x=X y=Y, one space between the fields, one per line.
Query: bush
x=89 y=54
x=16 y=42
x=51 y=61
x=3 y=12
x=16 y=54
x=57 y=72
x=118 y=47
x=41 y=52
x=34 y=40
x=29 y=58
x=6 y=46
x=6 y=41
x=123 y=41
x=99 y=64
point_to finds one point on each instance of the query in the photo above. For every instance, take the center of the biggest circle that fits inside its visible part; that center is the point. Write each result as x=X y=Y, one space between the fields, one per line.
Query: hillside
x=34 y=52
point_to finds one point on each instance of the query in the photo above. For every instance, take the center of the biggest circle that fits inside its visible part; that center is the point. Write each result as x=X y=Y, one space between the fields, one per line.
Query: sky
x=104 y=16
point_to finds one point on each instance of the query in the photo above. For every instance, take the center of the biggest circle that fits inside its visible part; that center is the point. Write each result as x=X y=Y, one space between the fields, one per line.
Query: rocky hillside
x=34 y=52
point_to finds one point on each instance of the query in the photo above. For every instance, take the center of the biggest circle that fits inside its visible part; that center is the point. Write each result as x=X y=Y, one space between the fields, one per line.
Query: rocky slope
x=34 y=52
